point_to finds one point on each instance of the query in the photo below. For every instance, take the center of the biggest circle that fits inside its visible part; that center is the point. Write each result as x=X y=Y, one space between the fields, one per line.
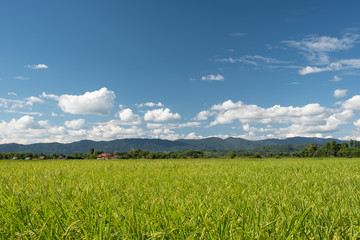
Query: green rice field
x=180 y=199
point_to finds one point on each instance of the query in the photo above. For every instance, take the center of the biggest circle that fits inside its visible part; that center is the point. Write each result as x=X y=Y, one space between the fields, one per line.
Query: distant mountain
x=157 y=145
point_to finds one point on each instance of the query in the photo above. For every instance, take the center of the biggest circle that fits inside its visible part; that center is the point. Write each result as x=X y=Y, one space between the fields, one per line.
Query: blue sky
x=103 y=70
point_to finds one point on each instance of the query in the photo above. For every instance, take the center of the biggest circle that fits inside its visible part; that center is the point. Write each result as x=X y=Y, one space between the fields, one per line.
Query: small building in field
x=42 y=157
x=104 y=156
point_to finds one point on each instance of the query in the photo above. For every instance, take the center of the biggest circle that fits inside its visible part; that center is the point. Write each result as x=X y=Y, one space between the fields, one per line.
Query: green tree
x=333 y=148
x=232 y=155
x=351 y=143
x=344 y=150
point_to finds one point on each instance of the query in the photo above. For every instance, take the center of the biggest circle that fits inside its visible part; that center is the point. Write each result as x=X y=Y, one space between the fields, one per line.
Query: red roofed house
x=104 y=156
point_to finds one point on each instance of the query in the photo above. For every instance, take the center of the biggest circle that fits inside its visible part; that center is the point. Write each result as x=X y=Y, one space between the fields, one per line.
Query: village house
x=104 y=156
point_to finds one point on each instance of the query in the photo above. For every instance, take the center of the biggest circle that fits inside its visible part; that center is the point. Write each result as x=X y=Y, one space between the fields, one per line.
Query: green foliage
x=232 y=155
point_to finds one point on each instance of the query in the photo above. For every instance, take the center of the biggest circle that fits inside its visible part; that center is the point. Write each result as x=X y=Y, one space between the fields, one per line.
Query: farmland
x=180 y=199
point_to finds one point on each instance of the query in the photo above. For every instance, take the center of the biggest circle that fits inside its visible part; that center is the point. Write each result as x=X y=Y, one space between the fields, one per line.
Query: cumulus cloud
x=12 y=94
x=160 y=115
x=352 y=103
x=164 y=134
x=338 y=93
x=27 y=130
x=316 y=48
x=357 y=123
x=331 y=123
x=112 y=130
x=169 y=134
x=36 y=66
x=99 y=102
x=150 y=104
x=229 y=111
x=309 y=120
x=22 y=130
x=212 y=77
x=203 y=115
x=127 y=117
x=75 y=124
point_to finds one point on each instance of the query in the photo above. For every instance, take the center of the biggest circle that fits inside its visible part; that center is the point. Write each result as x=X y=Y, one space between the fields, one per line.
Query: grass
x=180 y=199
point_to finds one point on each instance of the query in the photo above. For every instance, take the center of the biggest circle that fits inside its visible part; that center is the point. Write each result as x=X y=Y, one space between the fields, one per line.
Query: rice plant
x=180 y=199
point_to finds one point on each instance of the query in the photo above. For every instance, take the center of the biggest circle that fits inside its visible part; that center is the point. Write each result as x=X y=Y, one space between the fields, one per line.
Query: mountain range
x=158 y=145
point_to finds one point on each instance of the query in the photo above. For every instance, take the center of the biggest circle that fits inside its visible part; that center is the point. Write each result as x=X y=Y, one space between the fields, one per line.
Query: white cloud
x=246 y=127
x=21 y=78
x=316 y=48
x=99 y=102
x=229 y=111
x=309 y=120
x=22 y=130
x=334 y=66
x=172 y=125
x=357 y=123
x=164 y=134
x=12 y=104
x=203 y=115
x=169 y=134
x=160 y=115
x=31 y=100
x=111 y=130
x=12 y=94
x=237 y=60
x=338 y=93
x=23 y=113
x=352 y=103
x=24 y=123
x=75 y=124
x=150 y=104
x=335 y=79
x=212 y=77
x=308 y=69
x=26 y=130
x=50 y=96
x=330 y=124
x=36 y=66
x=127 y=117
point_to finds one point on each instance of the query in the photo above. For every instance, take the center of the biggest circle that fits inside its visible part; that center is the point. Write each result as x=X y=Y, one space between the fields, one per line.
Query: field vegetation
x=180 y=199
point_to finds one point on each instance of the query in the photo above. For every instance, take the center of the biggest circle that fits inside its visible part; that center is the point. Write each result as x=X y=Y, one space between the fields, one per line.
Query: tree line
x=329 y=149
